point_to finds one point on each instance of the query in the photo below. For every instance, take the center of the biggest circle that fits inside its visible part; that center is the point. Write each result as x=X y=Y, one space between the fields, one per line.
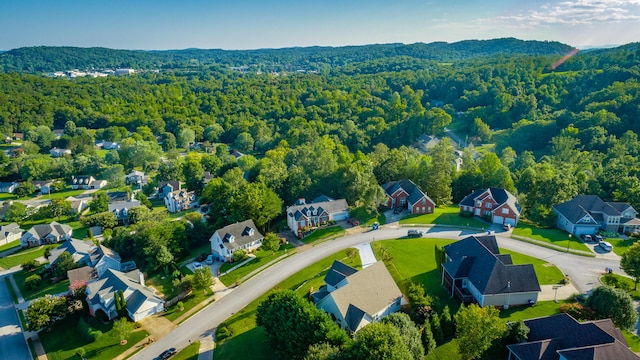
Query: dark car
x=397 y=210
x=414 y=233
x=586 y=237
x=598 y=237
x=166 y=354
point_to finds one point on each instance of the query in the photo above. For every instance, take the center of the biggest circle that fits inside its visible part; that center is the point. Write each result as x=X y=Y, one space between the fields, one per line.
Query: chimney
x=141 y=277
x=301 y=201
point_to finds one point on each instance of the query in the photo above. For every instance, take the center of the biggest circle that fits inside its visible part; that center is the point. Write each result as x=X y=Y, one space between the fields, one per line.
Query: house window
x=505 y=210
x=478 y=203
x=489 y=205
x=403 y=201
x=487 y=213
x=303 y=223
x=424 y=201
x=429 y=209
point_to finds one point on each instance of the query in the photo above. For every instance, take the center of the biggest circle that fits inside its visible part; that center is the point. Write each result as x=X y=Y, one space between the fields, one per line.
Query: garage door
x=579 y=230
x=510 y=221
x=340 y=216
x=498 y=219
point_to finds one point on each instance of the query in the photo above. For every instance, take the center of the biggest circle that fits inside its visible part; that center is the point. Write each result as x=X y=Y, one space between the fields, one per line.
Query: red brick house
x=498 y=204
x=407 y=195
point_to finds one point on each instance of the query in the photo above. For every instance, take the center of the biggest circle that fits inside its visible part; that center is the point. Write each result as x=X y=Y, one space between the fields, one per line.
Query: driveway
x=584 y=272
x=12 y=343
x=367 y=257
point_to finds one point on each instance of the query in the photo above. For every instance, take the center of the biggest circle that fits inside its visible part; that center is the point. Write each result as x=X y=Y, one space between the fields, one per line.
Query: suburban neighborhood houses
x=46 y=234
x=238 y=236
x=302 y=216
x=497 y=205
x=405 y=194
x=588 y=214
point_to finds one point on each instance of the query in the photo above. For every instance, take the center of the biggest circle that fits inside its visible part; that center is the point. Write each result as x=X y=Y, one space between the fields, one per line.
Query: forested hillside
x=47 y=59
x=545 y=135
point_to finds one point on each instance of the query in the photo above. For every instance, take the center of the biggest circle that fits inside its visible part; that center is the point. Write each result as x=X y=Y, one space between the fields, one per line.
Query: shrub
x=81 y=352
x=239 y=255
x=466 y=214
x=87 y=333
x=578 y=311
x=180 y=305
x=32 y=282
x=30 y=265
x=610 y=279
x=223 y=332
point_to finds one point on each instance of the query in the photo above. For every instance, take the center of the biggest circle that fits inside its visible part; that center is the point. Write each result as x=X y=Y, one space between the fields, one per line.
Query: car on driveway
x=196 y=265
x=209 y=259
x=397 y=210
x=166 y=354
x=605 y=246
x=586 y=237
x=598 y=237
x=353 y=222
x=506 y=227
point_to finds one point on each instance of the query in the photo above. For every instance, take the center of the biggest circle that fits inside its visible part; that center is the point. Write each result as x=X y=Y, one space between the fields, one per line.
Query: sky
x=255 y=24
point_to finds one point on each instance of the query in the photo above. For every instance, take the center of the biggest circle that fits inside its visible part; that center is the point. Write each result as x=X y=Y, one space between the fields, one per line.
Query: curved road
x=584 y=273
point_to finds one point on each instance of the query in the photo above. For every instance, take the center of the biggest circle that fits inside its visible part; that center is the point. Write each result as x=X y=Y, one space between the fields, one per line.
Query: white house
x=8 y=187
x=46 y=234
x=141 y=300
x=56 y=153
x=44 y=186
x=242 y=235
x=9 y=233
x=179 y=200
x=121 y=210
x=86 y=182
x=354 y=298
x=319 y=212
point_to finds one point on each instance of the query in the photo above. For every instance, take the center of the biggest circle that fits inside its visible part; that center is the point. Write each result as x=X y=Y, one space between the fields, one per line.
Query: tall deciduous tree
x=630 y=263
x=45 y=311
x=440 y=174
x=378 y=341
x=293 y=324
x=409 y=332
x=202 y=279
x=615 y=304
x=477 y=328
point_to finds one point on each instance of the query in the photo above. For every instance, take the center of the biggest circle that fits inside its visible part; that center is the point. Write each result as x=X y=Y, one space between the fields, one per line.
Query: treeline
x=47 y=59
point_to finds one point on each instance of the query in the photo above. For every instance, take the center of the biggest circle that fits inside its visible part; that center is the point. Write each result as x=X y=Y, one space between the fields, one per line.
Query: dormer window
x=248 y=231
x=229 y=238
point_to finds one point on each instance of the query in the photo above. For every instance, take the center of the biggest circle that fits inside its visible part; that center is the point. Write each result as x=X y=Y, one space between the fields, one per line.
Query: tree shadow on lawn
x=465 y=232
x=431 y=281
x=251 y=344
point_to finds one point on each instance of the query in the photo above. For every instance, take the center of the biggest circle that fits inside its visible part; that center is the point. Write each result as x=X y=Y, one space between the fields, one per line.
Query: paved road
x=582 y=270
x=12 y=343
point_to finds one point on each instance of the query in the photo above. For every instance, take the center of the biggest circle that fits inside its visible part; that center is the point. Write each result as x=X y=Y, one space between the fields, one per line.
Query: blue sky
x=252 y=24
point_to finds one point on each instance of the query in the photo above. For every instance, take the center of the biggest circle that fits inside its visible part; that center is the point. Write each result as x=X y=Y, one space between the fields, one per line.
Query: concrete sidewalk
x=207 y=345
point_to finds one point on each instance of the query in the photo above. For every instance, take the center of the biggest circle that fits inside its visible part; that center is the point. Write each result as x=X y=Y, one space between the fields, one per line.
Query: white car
x=605 y=246
x=196 y=265
x=209 y=259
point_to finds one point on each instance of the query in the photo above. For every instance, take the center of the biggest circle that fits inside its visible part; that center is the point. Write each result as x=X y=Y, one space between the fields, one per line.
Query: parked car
x=586 y=237
x=196 y=265
x=506 y=227
x=166 y=354
x=353 y=221
x=605 y=246
x=414 y=233
x=375 y=226
x=209 y=259
x=598 y=237
x=397 y=210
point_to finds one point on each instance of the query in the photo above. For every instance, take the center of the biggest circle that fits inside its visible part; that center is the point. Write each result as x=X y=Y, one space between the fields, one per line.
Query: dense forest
x=544 y=134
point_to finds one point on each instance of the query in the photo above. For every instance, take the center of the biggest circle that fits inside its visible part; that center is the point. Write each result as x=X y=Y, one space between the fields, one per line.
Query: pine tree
x=428 y=342
x=438 y=335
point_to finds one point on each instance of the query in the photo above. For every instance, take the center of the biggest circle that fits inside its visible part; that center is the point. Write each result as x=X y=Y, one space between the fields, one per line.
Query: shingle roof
x=113 y=280
x=9 y=229
x=54 y=228
x=317 y=208
x=240 y=235
x=561 y=333
x=80 y=250
x=478 y=260
x=338 y=272
x=501 y=197
x=581 y=205
x=409 y=187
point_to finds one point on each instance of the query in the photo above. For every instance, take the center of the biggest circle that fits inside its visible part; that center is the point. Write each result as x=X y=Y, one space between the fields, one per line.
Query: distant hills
x=46 y=58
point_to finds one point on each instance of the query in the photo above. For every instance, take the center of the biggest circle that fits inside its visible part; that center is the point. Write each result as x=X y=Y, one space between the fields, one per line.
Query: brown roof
x=85 y=273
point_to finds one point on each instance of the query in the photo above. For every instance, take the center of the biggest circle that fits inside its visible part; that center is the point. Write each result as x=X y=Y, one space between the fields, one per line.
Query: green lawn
x=542 y=308
x=620 y=246
x=446 y=351
x=63 y=340
x=10 y=245
x=7 y=196
x=46 y=287
x=188 y=353
x=195 y=298
x=626 y=284
x=162 y=283
x=632 y=339
x=62 y=194
x=248 y=341
x=330 y=232
x=366 y=218
x=444 y=216
x=552 y=236
x=21 y=257
x=262 y=258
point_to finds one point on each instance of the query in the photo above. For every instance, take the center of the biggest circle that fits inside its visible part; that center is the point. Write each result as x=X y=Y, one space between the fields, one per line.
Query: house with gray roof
x=43 y=186
x=496 y=204
x=242 y=235
x=141 y=300
x=407 y=195
x=179 y=200
x=121 y=210
x=303 y=216
x=86 y=253
x=136 y=178
x=86 y=182
x=46 y=234
x=561 y=337
x=166 y=187
x=475 y=271
x=355 y=298
x=9 y=233
x=8 y=187
x=586 y=214
x=56 y=153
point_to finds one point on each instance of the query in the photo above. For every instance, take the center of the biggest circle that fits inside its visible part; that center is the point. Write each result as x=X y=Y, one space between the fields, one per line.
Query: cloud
x=576 y=12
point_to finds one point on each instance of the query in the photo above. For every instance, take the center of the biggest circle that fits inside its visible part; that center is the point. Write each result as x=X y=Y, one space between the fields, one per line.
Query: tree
x=409 y=332
x=477 y=328
x=239 y=255
x=378 y=341
x=42 y=136
x=25 y=189
x=121 y=303
x=518 y=332
x=114 y=175
x=32 y=281
x=100 y=202
x=202 y=279
x=630 y=263
x=29 y=265
x=106 y=220
x=64 y=263
x=428 y=342
x=16 y=212
x=244 y=142
x=292 y=324
x=440 y=174
x=436 y=328
x=615 y=304
x=59 y=207
x=122 y=328
x=271 y=242
x=138 y=214
x=322 y=351
x=185 y=137
x=44 y=311
x=447 y=323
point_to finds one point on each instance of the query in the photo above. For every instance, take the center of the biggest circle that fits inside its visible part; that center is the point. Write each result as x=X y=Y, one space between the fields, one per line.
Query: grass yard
x=262 y=258
x=444 y=216
x=188 y=353
x=7 y=196
x=195 y=298
x=330 y=232
x=21 y=257
x=632 y=339
x=62 y=194
x=620 y=246
x=552 y=236
x=366 y=218
x=542 y=308
x=623 y=282
x=11 y=245
x=249 y=341
x=46 y=287
x=63 y=341
x=162 y=283
x=446 y=351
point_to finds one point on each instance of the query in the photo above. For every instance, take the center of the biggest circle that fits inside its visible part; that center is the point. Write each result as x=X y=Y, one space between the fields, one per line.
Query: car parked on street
x=375 y=226
x=166 y=354
x=414 y=233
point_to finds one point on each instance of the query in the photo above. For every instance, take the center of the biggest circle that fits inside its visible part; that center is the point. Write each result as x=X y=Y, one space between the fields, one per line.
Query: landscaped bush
x=239 y=255
x=32 y=282
x=223 y=332
x=30 y=265
x=466 y=214
x=578 y=311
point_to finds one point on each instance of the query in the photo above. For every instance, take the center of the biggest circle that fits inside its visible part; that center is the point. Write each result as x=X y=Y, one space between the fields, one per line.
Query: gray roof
x=82 y=179
x=174 y=184
x=9 y=229
x=85 y=273
x=317 y=208
x=478 y=260
x=501 y=197
x=581 y=205
x=369 y=291
x=81 y=251
x=415 y=193
x=113 y=280
x=551 y=335
x=118 y=207
x=240 y=233
x=338 y=272
x=55 y=228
